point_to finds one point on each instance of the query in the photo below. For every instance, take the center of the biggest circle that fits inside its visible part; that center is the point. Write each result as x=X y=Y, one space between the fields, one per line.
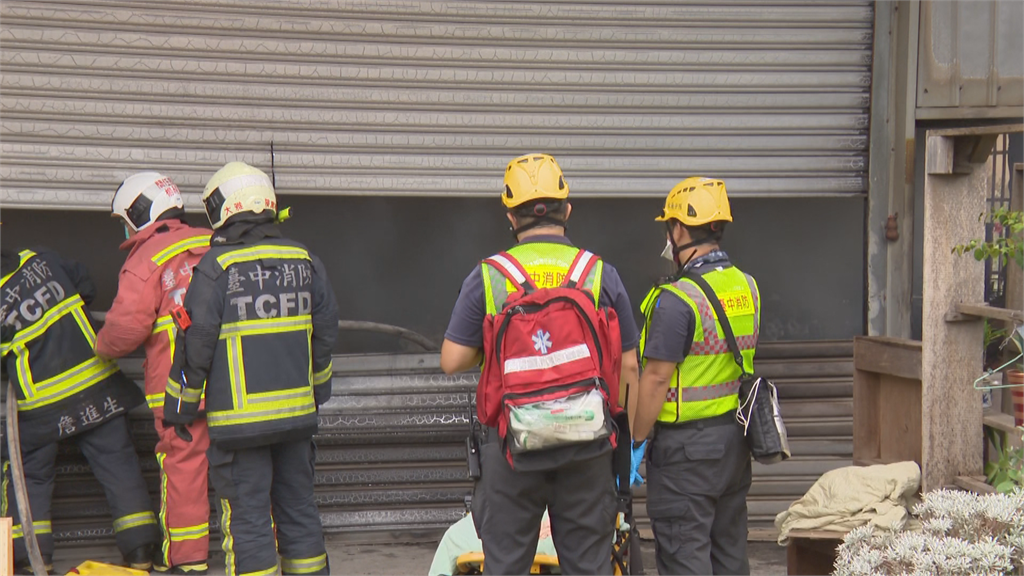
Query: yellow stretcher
x=473 y=562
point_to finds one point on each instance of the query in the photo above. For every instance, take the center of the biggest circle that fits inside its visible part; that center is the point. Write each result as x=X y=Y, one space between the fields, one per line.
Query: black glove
x=180 y=429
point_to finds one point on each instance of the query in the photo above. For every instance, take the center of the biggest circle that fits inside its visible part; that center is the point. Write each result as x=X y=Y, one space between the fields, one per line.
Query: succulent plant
x=961 y=534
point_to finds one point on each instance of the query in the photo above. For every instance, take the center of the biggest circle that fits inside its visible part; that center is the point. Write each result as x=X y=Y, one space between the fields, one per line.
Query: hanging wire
x=1017 y=337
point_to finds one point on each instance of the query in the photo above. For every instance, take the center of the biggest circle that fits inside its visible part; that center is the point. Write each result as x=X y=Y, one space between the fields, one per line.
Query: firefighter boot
x=141 y=558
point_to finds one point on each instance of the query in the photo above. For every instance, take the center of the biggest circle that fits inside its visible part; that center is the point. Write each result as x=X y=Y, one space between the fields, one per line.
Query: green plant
x=993 y=335
x=1005 y=474
x=1003 y=247
x=961 y=534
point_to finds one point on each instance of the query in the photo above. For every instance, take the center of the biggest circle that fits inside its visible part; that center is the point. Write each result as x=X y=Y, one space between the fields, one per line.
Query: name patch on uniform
x=41 y=292
x=274 y=305
x=737 y=303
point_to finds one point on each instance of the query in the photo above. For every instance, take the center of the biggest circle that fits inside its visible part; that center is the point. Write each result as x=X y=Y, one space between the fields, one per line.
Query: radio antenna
x=273 y=172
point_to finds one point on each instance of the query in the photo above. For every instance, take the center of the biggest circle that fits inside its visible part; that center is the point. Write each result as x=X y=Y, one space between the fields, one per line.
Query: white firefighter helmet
x=143 y=197
x=238 y=187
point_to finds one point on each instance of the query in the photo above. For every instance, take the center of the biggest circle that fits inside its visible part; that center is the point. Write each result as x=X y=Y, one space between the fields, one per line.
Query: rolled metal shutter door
x=426 y=98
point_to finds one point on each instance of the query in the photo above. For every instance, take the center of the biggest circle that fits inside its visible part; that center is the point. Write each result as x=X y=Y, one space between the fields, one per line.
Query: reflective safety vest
x=706 y=383
x=547 y=263
x=53 y=343
x=261 y=382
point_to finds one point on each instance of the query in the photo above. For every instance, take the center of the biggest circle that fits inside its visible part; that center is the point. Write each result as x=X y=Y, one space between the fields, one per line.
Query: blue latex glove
x=635 y=479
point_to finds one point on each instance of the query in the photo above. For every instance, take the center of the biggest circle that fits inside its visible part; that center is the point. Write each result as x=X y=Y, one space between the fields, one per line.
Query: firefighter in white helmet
x=163 y=250
x=262 y=321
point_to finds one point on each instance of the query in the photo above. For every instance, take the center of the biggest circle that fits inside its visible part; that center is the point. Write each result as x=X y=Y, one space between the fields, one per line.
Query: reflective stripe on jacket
x=62 y=387
x=271 y=308
x=706 y=383
x=153 y=280
x=55 y=308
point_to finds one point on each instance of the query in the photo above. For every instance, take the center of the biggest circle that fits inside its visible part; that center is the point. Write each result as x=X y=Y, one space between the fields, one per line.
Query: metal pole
x=35 y=557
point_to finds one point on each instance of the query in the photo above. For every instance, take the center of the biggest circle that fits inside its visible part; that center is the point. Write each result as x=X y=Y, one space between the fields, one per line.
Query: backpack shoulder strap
x=580 y=268
x=513 y=270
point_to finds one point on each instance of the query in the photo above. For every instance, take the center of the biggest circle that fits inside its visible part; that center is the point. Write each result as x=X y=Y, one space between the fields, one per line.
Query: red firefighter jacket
x=153 y=280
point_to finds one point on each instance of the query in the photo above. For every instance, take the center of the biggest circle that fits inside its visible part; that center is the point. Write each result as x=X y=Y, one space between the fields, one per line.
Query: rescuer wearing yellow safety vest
x=260 y=329
x=698 y=463
x=65 y=391
x=574 y=482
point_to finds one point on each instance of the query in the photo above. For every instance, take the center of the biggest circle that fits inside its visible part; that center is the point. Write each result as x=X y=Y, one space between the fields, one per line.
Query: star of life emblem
x=542 y=341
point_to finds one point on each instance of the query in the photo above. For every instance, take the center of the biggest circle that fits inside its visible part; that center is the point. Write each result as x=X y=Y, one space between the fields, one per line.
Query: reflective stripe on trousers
x=184 y=503
x=304 y=565
x=134 y=521
x=41 y=527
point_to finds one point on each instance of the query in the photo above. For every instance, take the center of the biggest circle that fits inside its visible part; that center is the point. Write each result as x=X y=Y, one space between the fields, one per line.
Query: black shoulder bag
x=759 y=412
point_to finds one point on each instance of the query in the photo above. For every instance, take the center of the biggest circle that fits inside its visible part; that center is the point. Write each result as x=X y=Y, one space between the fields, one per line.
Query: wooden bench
x=812 y=551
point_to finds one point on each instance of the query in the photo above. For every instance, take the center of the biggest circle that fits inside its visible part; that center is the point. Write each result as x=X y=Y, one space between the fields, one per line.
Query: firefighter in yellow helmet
x=574 y=481
x=261 y=326
x=698 y=463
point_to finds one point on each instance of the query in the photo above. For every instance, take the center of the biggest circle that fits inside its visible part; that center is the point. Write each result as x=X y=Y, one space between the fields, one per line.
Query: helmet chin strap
x=676 y=250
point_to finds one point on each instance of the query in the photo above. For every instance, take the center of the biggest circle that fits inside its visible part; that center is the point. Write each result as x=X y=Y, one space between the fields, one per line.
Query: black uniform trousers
x=698 y=476
x=262 y=489
x=111 y=455
x=508 y=507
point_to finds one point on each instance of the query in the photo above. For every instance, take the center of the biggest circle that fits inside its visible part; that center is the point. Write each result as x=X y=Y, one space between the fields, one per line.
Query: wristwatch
x=638 y=443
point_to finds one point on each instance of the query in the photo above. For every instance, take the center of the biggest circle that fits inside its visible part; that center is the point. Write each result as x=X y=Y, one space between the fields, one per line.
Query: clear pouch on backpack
x=574 y=419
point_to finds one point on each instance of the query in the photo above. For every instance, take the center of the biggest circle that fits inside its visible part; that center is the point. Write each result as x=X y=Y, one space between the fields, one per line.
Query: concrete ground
x=766 y=558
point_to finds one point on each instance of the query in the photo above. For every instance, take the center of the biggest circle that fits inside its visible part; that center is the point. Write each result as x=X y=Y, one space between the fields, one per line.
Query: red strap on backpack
x=580 y=268
x=513 y=270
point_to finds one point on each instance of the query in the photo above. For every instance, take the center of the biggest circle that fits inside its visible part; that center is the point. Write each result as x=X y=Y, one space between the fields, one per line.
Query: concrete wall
x=402 y=261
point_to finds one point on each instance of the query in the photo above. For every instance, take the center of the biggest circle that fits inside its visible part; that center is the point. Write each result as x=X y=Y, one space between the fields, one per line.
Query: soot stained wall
x=402 y=261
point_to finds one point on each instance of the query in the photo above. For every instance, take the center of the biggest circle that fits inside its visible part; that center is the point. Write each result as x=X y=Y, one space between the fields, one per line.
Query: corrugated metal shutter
x=391 y=452
x=397 y=97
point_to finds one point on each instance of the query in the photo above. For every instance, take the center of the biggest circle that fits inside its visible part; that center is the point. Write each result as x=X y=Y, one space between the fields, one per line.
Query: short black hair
x=712 y=230
x=548 y=208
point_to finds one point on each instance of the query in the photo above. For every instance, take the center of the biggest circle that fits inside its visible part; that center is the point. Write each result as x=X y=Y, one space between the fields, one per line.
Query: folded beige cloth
x=850 y=497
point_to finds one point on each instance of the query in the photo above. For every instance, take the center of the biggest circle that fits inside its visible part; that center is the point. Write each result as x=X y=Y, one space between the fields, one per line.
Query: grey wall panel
x=395 y=98
x=970 y=59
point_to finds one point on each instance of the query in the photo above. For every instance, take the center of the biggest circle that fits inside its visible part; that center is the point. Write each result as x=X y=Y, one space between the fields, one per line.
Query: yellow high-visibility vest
x=706 y=383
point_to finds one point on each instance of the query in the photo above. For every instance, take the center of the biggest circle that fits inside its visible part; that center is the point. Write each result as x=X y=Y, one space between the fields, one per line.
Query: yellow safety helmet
x=697 y=201
x=238 y=187
x=533 y=177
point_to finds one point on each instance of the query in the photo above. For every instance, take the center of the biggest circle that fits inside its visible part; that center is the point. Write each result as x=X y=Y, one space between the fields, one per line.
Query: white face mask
x=667 y=253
